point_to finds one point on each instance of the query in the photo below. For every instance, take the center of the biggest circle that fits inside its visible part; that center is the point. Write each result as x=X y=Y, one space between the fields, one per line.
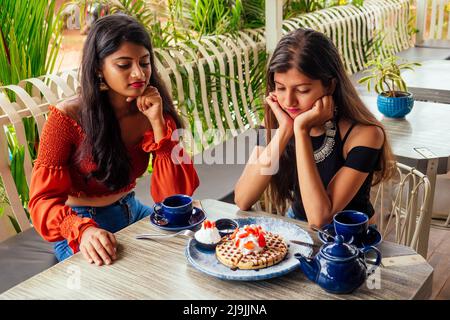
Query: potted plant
x=394 y=101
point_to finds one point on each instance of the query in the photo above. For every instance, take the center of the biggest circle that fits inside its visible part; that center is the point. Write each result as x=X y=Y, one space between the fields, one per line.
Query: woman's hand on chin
x=150 y=104
x=285 y=122
x=321 y=112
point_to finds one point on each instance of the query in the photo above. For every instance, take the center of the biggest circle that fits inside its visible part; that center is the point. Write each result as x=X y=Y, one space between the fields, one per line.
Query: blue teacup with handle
x=176 y=209
x=351 y=223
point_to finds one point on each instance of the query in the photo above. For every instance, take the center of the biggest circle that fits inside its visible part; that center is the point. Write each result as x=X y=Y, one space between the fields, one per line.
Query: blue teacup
x=351 y=223
x=176 y=209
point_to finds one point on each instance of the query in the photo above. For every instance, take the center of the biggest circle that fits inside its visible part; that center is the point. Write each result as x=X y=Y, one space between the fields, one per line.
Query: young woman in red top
x=94 y=146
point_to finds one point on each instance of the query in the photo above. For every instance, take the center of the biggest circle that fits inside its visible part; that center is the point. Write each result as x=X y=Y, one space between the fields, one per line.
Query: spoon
x=316 y=228
x=185 y=233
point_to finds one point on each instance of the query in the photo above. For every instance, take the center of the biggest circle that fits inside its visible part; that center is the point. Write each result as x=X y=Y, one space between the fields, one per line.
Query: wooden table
x=421 y=139
x=159 y=270
x=426 y=126
x=430 y=82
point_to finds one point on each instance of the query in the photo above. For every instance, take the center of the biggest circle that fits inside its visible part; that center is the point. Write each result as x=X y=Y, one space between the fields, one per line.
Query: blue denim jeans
x=111 y=218
x=290 y=214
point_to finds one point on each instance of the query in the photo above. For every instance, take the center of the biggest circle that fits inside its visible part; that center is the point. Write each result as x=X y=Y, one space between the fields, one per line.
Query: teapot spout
x=310 y=267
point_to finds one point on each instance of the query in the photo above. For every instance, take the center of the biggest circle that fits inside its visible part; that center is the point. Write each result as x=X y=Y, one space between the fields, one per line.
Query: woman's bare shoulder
x=70 y=107
x=366 y=135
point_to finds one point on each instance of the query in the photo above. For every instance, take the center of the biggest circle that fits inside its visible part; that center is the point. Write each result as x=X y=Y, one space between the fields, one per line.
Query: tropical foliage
x=171 y=21
x=295 y=7
x=30 y=38
x=373 y=47
x=3 y=198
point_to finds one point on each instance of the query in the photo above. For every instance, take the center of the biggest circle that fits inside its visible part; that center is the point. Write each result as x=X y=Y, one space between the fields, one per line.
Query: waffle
x=227 y=253
x=231 y=256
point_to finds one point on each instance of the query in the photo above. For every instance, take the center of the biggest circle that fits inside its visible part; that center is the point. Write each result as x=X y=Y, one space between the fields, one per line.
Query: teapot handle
x=378 y=260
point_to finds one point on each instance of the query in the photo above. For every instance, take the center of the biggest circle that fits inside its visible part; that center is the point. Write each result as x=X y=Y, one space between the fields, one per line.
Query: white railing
x=226 y=103
x=433 y=20
x=352 y=27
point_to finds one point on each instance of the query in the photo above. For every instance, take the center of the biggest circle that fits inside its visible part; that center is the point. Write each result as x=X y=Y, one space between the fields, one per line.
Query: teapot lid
x=339 y=250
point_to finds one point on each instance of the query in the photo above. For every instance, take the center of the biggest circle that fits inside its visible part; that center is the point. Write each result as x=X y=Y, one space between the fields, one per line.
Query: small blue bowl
x=226 y=226
x=395 y=107
x=207 y=246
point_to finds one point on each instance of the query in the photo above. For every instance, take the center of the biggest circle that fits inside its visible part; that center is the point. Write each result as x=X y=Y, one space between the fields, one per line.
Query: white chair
x=408 y=215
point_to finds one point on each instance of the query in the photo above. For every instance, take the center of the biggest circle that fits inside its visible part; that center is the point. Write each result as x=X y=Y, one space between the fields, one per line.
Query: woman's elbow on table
x=320 y=218
x=242 y=203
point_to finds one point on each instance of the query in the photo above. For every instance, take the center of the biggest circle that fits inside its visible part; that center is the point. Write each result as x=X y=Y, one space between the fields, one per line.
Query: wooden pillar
x=274 y=22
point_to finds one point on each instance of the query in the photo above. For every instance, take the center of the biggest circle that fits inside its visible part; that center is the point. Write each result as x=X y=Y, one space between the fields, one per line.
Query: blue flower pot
x=395 y=107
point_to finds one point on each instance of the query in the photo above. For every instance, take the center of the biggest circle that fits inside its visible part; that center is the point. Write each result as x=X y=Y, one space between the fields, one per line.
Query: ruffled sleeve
x=51 y=183
x=173 y=170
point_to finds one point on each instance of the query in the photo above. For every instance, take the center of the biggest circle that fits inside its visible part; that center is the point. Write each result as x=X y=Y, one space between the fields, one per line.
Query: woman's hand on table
x=98 y=246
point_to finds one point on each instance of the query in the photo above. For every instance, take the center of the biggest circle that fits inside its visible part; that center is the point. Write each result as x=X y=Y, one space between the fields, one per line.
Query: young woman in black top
x=329 y=148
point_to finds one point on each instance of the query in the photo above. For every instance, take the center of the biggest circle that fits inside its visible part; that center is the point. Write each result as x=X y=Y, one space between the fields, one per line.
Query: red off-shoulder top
x=57 y=173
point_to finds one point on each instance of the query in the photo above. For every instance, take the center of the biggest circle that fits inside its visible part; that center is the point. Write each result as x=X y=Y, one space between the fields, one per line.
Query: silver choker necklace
x=327 y=146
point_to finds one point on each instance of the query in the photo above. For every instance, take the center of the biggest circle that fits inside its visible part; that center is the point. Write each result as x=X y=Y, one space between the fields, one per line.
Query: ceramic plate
x=207 y=262
x=197 y=217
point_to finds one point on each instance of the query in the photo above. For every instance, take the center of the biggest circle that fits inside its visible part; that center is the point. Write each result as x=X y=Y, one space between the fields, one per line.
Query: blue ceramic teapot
x=339 y=267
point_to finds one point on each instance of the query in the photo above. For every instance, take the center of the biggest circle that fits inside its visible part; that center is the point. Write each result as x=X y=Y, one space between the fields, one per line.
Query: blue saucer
x=373 y=236
x=197 y=217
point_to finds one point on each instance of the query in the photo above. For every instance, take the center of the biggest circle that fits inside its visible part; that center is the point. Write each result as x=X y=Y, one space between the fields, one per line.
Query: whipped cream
x=208 y=233
x=250 y=239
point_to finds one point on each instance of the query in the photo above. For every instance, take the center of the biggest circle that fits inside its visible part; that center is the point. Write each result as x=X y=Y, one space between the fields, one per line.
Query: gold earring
x=102 y=86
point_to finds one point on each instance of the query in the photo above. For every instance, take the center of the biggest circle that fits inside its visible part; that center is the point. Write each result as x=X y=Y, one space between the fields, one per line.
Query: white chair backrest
x=407 y=216
x=46 y=90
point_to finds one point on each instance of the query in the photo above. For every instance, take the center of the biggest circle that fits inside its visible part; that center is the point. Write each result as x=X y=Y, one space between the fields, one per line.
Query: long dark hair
x=103 y=137
x=313 y=54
